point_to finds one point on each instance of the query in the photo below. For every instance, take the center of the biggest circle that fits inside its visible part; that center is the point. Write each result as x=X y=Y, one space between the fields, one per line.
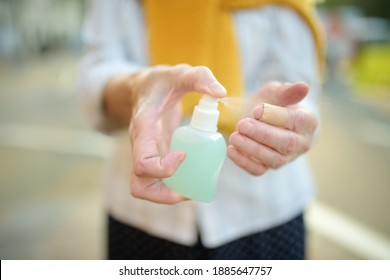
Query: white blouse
x=275 y=44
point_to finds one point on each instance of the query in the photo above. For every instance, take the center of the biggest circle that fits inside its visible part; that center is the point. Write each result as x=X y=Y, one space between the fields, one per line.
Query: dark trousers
x=284 y=242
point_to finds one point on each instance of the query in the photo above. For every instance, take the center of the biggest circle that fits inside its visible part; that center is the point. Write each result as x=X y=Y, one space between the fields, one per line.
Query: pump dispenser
x=197 y=177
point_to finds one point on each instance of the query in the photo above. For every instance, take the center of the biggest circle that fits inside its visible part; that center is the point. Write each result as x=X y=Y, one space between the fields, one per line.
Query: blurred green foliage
x=370 y=70
x=374 y=8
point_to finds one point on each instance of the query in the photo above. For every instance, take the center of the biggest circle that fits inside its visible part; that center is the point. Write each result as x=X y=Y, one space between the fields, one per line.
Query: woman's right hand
x=154 y=115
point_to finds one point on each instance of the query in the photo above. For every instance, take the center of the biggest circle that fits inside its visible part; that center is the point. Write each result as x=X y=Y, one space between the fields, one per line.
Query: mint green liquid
x=196 y=178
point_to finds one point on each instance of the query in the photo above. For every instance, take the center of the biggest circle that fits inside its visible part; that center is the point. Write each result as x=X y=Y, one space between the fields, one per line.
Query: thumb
x=200 y=79
x=188 y=78
x=285 y=94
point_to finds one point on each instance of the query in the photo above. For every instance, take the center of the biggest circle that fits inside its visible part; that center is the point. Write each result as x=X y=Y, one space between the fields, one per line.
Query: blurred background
x=51 y=161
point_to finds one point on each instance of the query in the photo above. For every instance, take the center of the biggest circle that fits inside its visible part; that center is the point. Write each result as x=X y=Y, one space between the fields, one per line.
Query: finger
x=271 y=114
x=284 y=141
x=261 y=153
x=156 y=166
x=292 y=118
x=301 y=120
x=200 y=79
x=153 y=190
x=245 y=162
x=170 y=121
x=147 y=160
x=186 y=79
x=284 y=94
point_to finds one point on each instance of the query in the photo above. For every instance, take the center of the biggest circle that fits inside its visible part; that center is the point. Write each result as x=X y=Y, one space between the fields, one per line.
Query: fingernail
x=216 y=87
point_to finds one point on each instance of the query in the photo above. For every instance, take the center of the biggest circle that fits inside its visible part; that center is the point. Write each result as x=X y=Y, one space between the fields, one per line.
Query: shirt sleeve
x=294 y=48
x=104 y=57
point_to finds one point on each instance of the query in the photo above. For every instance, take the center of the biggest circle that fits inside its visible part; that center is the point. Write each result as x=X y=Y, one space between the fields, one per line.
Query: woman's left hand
x=278 y=131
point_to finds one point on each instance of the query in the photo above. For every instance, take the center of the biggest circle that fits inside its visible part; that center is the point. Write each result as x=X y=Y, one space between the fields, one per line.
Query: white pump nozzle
x=205 y=115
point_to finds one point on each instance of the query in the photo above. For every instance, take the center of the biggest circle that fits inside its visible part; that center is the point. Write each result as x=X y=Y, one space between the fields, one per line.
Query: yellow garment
x=201 y=32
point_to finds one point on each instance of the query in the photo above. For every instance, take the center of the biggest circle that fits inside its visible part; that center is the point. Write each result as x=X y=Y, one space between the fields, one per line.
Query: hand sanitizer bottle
x=197 y=176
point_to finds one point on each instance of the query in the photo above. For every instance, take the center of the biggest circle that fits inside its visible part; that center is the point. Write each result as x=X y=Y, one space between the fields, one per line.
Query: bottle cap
x=205 y=115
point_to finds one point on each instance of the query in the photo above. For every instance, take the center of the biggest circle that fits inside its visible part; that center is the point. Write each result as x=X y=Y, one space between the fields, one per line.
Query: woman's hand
x=155 y=117
x=275 y=134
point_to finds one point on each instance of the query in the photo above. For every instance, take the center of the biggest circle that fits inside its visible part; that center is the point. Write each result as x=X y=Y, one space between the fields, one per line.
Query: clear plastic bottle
x=197 y=177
